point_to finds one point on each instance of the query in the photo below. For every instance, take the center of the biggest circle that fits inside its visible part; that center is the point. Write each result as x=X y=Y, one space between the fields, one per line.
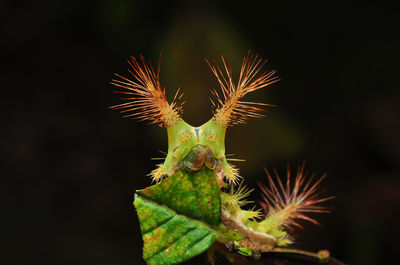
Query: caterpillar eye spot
x=211 y=137
x=186 y=136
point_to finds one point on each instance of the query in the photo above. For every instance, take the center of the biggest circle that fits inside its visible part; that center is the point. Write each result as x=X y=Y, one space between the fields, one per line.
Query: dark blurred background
x=70 y=165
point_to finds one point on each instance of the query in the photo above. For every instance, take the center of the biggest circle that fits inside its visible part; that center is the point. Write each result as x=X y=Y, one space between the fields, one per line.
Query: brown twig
x=322 y=257
x=281 y=254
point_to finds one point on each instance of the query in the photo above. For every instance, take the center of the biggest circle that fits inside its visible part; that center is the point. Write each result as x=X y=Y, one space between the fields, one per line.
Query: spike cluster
x=147 y=100
x=232 y=173
x=239 y=195
x=234 y=199
x=230 y=109
x=289 y=203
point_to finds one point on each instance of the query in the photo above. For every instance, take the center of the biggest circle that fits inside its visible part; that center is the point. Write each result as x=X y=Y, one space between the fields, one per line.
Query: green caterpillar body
x=198 y=201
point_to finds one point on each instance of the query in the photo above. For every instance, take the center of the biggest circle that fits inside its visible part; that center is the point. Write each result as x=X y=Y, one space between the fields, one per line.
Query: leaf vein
x=160 y=224
x=181 y=236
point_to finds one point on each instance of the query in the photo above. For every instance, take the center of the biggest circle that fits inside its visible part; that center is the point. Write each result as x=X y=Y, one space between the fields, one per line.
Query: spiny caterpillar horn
x=289 y=203
x=230 y=109
x=147 y=100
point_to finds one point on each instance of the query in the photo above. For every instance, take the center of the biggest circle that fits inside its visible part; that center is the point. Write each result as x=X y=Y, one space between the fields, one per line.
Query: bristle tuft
x=146 y=98
x=232 y=174
x=231 y=110
x=159 y=173
x=290 y=202
x=254 y=214
x=237 y=197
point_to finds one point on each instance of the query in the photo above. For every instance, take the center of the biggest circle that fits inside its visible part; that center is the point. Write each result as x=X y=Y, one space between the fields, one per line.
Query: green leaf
x=177 y=216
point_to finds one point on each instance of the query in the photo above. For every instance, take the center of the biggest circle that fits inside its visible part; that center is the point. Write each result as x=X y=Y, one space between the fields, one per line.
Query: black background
x=71 y=165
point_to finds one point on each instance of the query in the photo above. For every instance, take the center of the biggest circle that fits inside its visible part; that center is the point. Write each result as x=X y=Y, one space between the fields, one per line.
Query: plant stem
x=276 y=254
x=322 y=257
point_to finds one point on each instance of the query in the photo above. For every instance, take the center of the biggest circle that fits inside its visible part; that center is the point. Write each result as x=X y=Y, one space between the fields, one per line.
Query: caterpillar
x=197 y=201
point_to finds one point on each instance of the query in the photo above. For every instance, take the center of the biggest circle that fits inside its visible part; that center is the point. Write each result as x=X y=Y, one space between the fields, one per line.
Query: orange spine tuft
x=230 y=109
x=291 y=204
x=147 y=100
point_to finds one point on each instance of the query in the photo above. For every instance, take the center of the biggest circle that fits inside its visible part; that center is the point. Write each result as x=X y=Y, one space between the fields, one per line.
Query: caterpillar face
x=182 y=138
x=147 y=102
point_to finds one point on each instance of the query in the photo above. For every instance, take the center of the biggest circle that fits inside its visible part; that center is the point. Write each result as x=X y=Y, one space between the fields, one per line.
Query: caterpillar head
x=146 y=101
